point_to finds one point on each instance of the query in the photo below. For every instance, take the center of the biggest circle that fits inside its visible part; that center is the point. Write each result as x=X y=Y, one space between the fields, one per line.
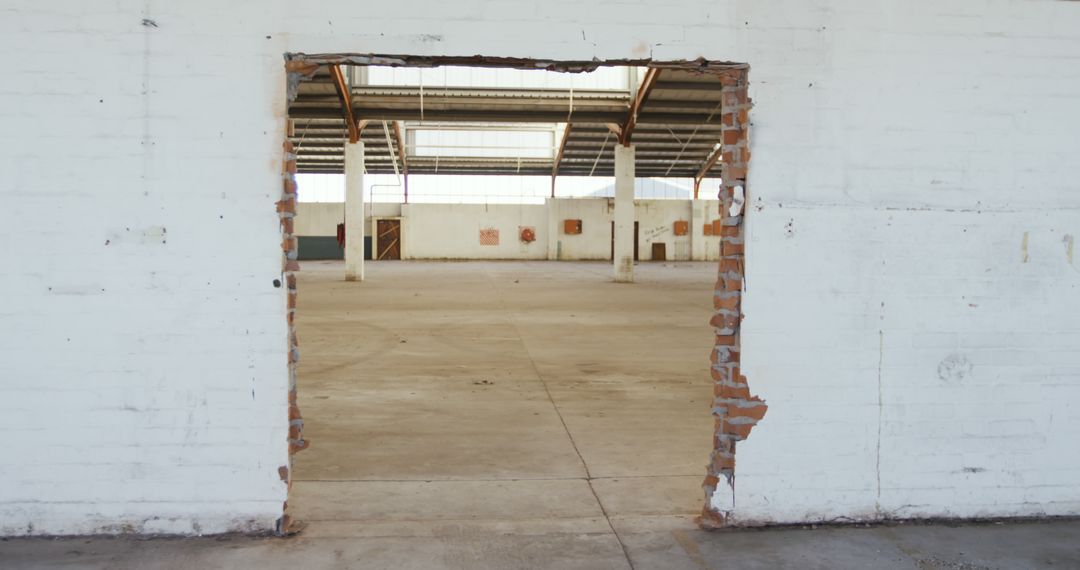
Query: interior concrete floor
x=524 y=415
x=503 y=393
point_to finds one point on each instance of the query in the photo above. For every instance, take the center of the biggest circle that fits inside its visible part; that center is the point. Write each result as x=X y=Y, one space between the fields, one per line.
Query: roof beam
x=562 y=149
x=346 y=102
x=709 y=163
x=558 y=156
x=635 y=106
x=699 y=120
x=476 y=115
x=663 y=129
x=401 y=148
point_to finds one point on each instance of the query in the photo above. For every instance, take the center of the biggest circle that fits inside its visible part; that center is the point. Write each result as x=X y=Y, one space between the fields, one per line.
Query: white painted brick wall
x=910 y=144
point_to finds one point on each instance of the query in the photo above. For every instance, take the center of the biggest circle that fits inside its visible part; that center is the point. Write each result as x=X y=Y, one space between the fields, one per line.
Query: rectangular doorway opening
x=474 y=379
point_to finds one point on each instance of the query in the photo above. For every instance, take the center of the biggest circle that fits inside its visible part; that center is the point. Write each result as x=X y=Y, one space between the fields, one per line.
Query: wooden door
x=637 y=240
x=613 y=241
x=659 y=251
x=388 y=239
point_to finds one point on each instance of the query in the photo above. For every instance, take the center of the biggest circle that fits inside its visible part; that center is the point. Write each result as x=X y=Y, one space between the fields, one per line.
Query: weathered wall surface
x=911 y=291
x=912 y=304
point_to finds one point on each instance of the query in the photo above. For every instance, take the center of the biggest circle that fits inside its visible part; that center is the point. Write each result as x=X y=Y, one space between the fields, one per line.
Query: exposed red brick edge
x=735 y=409
x=286 y=208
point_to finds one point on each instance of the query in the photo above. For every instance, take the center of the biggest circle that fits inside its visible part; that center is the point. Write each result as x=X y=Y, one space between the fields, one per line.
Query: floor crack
x=562 y=420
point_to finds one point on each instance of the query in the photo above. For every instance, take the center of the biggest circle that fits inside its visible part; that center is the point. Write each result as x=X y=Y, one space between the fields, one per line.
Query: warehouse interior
x=486 y=361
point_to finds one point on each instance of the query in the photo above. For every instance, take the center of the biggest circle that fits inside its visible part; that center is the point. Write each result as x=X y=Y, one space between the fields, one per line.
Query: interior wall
x=318 y=218
x=656 y=224
x=322 y=218
x=594 y=241
x=911 y=289
x=452 y=231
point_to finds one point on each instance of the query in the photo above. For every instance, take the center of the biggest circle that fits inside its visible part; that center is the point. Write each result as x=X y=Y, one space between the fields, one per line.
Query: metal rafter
x=401 y=148
x=346 y=102
x=558 y=157
x=666 y=117
x=647 y=85
x=709 y=163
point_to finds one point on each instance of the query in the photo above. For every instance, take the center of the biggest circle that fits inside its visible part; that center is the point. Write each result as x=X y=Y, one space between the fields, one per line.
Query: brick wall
x=736 y=410
x=909 y=294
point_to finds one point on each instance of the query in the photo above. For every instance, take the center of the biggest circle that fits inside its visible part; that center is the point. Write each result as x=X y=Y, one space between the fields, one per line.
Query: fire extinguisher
x=341 y=235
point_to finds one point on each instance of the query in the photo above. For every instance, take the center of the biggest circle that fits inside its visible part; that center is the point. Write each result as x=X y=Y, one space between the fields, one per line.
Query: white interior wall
x=594 y=241
x=318 y=218
x=322 y=218
x=451 y=231
x=911 y=289
x=656 y=224
x=703 y=213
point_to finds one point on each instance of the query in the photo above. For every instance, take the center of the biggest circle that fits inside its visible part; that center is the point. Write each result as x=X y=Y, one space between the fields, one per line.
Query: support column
x=624 y=214
x=698 y=219
x=553 y=229
x=354 y=211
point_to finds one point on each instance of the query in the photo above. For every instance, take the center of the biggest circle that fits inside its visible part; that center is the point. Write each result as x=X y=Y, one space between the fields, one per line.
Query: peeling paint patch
x=153 y=234
x=954 y=368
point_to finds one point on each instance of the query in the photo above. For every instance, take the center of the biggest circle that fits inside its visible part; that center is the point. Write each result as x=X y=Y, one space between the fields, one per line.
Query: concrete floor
x=524 y=415
x=503 y=396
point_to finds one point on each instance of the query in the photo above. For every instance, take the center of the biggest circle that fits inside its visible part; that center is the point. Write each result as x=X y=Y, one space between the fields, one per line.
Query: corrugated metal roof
x=677 y=127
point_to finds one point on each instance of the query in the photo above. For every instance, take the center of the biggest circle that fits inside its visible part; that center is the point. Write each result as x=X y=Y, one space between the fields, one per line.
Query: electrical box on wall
x=682 y=227
x=706 y=229
x=571 y=227
x=716 y=227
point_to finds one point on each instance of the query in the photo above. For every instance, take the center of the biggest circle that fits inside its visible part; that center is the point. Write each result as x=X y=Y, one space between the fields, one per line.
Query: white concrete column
x=354 y=211
x=624 y=214
x=553 y=230
x=697 y=230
